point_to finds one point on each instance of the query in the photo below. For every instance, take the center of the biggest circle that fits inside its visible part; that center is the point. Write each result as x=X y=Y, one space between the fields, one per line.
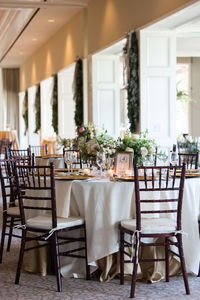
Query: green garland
x=55 y=105
x=78 y=94
x=133 y=82
x=25 y=111
x=37 y=110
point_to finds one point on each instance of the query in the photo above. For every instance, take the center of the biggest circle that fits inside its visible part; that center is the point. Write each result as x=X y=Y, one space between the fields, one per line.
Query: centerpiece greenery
x=91 y=141
x=142 y=146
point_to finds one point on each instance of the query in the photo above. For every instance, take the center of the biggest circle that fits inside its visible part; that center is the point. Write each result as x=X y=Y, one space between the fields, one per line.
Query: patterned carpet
x=33 y=286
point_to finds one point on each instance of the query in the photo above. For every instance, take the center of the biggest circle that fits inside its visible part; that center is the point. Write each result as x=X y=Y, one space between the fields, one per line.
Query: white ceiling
x=25 y=26
x=186 y=23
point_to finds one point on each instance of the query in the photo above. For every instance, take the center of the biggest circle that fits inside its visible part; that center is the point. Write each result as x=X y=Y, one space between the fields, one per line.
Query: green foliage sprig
x=37 y=110
x=55 y=105
x=25 y=111
x=78 y=94
x=131 y=49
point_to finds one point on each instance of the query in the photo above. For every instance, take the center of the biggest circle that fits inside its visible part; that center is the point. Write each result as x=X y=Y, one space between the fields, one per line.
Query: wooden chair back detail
x=159 y=179
x=39 y=150
x=11 y=216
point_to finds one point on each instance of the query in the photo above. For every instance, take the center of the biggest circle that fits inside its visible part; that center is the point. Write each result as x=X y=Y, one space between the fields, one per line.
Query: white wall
x=195 y=106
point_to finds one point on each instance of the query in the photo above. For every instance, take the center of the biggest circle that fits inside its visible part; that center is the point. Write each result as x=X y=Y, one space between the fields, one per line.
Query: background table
x=46 y=160
x=10 y=135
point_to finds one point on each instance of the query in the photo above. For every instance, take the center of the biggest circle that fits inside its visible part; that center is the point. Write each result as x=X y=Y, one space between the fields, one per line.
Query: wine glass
x=100 y=160
x=165 y=156
x=69 y=160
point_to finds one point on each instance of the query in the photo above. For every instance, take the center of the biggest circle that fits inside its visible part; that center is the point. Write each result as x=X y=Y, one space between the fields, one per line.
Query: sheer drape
x=11 y=90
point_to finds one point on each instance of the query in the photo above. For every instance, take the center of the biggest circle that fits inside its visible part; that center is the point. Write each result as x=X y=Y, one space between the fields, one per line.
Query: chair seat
x=13 y=211
x=45 y=222
x=150 y=226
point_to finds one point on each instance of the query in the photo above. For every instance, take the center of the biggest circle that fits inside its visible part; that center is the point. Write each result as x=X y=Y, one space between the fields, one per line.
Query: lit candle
x=86 y=171
x=128 y=172
x=110 y=173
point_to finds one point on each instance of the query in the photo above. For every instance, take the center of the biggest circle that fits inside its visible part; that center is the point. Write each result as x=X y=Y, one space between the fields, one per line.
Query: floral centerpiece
x=91 y=141
x=67 y=143
x=142 y=146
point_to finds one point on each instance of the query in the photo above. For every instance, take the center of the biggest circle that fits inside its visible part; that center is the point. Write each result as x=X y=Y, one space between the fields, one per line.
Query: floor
x=33 y=286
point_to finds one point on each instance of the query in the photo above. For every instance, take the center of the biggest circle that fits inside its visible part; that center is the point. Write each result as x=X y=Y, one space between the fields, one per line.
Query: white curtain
x=46 y=93
x=11 y=90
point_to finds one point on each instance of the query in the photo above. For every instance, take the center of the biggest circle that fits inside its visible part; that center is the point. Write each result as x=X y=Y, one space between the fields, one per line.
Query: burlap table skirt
x=39 y=261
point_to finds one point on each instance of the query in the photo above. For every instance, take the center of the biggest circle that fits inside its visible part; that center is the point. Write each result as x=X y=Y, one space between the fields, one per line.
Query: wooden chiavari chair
x=159 y=187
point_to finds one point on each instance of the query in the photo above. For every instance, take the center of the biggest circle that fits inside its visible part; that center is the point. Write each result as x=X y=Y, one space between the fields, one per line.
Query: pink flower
x=81 y=130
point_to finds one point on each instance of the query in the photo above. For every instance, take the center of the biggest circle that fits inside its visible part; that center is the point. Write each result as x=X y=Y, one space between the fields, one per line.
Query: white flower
x=144 y=151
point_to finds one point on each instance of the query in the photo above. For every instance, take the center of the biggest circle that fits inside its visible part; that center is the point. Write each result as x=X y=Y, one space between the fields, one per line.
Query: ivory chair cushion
x=13 y=210
x=45 y=222
x=155 y=225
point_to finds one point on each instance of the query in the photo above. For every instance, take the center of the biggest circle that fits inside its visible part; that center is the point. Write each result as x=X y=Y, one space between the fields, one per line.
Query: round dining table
x=104 y=203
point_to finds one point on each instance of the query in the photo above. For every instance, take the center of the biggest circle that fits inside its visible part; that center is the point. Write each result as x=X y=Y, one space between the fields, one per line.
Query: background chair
x=11 y=214
x=22 y=153
x=4 y=144
x=154 y=188
x=38 y=183
x=39 y=150
x=188 y=154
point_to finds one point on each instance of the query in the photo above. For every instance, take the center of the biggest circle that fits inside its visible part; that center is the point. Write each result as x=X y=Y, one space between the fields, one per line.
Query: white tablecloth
x=104 y=204
x=42 y=161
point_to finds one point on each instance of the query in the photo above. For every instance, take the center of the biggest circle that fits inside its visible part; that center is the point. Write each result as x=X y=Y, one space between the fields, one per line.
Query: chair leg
x=199 y=271
x=121 y=257
x=135 y=266
x=21 y=255
x=185 y=278
x=56 y=260
x=86 y=257
x=3 y=237
x=10 y=234
x=166 y=260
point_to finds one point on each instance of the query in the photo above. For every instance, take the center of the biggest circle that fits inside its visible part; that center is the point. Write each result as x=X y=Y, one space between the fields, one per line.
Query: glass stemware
x=100 y=160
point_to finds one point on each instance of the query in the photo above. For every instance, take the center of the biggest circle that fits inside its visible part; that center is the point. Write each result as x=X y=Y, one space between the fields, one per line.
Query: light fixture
x=34 y=39
x=51 y=20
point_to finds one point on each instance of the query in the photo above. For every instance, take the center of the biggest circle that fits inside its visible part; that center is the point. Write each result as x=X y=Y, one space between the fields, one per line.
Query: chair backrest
x=184 y=147
x=159 y=192
x=36 y=190
x=74 y=157
x=190 y=159
x=39 y=150
x=22 y=153
x=7 y=184
x=188 y=154
x=5 y=143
